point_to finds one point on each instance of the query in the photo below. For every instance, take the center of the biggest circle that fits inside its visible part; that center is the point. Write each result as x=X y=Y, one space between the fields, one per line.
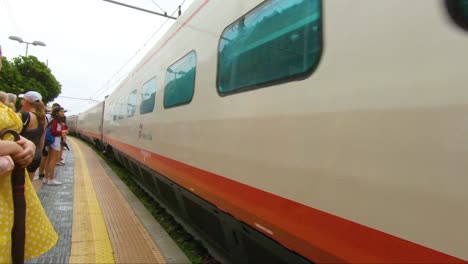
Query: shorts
x=56 y=145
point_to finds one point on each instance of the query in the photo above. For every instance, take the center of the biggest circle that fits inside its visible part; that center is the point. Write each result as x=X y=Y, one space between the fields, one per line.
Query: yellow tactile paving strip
x=90 y=241
x=129 y=239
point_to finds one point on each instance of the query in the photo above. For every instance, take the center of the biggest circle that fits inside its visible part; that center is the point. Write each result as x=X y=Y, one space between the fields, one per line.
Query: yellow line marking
x=90 y=239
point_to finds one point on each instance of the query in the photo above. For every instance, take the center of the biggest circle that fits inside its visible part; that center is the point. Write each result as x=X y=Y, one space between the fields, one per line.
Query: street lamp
x=34 y=43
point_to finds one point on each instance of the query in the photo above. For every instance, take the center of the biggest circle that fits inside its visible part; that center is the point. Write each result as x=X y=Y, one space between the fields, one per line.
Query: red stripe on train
x=317 y=235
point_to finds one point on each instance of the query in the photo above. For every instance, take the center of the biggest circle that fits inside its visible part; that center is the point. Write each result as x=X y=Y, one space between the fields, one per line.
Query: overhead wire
x=158 y=6
x=112 y=79
x=85 y=104
x=100 y=92
x=12 y=19
x=78 y=98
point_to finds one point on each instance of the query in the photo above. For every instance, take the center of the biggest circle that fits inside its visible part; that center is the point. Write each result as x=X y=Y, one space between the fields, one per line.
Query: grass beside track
x=193 y=248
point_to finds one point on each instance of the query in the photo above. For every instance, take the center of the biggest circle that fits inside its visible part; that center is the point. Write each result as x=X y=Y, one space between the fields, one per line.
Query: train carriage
x=304 y=131
x=89 y=124
x=72 y=123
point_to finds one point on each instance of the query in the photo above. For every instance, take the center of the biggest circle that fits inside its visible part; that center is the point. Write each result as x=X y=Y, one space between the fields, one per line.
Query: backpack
x=49 y=138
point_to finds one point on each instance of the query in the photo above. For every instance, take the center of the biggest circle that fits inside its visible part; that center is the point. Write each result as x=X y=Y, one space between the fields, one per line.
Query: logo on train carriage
x=144 y=134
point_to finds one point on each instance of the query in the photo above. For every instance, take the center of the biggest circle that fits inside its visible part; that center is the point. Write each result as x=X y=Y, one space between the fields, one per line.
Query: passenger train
x=298 y=131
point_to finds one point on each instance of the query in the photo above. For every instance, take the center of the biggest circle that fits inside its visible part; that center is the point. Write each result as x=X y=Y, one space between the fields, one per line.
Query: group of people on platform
x=36 y=119
x=26 y=152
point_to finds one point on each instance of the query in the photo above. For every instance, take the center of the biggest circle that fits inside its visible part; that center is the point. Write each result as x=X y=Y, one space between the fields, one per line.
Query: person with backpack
x=49 y=138
x=34 y=123
x=57 y=131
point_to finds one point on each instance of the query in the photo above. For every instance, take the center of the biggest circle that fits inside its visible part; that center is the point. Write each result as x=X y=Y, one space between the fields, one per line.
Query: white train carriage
x=72 y=123
x=305 y=130
x=89 y=124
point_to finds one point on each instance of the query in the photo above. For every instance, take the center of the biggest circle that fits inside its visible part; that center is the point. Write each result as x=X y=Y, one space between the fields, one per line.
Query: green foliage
x=29 y=74
x=10 y=78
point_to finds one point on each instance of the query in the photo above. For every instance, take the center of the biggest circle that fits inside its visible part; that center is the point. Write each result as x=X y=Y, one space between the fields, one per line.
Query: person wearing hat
x=31 y=96
x=32 y=114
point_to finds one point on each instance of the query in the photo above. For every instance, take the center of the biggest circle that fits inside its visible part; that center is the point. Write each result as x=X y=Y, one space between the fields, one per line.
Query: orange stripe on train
x=317 y=235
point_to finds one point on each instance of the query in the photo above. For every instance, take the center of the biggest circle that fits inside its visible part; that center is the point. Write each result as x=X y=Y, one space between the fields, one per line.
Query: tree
x=10 y=78
x=29 y=74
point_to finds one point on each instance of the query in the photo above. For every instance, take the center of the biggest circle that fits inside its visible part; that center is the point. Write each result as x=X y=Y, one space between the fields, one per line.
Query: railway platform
x=97 y=219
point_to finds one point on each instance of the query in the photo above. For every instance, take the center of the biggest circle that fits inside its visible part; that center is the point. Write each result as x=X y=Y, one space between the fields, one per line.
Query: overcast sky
x=90 y=44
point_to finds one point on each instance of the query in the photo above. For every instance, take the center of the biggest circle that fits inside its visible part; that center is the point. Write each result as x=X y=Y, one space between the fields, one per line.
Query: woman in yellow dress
x=40 y=234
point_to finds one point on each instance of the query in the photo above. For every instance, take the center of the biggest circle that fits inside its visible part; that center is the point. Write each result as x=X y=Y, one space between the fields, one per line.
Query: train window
x=131 y=103
x=180 y=81
x=148 y=96
x=458 y=11
x=112 y=114
x=276 y=42
x=122 y=108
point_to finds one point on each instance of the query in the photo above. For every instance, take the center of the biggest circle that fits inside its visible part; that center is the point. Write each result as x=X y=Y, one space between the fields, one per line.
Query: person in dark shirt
x=34 y=124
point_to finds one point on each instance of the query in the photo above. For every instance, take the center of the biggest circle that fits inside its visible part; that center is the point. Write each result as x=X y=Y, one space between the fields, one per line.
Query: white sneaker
x=44 y=180
x=53 y=182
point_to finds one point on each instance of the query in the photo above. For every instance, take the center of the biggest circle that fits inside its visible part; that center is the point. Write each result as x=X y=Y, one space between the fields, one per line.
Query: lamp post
x=34 y=43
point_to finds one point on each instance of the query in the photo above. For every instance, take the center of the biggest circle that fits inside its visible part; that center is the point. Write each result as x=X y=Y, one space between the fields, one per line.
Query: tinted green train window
x=180 y=81
x=131 y=103
x=458 y=10
x=148 y=96
x=277 y=41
